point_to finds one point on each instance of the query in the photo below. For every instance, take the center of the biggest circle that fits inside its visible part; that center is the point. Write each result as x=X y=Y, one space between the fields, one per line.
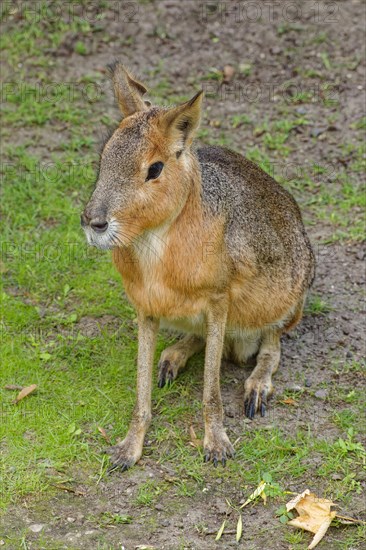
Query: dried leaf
x=315 y=514
x=289 y=401
x=13 y=387
x=69 y=489
x=104 y=434
x=264 y=497
x=349 y=521
x=293 y=502
x=195 y=442
x=221 y=530
x=259 y=490
x=24 y=392
x=171 y=479
x=308 y=505
x=227 y=74
x=239 y=529
x=321 y=531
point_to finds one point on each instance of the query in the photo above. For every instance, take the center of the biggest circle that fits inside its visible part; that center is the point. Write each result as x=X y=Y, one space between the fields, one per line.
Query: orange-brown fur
x=208 y=243
x=183 y=284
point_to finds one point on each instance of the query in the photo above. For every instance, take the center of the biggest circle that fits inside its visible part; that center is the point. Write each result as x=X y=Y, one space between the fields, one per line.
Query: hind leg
x=240 y=349
x=258 y=387
x=175 y=357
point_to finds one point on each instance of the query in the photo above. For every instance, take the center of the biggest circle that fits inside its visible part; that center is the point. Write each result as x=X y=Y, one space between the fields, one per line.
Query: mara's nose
x=99 y=225
x=84 y=219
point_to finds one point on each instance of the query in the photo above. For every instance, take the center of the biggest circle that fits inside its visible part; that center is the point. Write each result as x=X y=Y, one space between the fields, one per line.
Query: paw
x=167 y=372
x=123 y=455
x=217 y=448
x=255 y=397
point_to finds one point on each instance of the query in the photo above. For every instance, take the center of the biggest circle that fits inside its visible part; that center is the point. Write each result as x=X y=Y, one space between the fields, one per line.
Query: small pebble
x=316 y=132
x=321 y=394
x=36 y=527
x=308 y=383
x=294 y=387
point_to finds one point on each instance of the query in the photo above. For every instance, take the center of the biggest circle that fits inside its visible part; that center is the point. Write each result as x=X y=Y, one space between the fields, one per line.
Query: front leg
x=216 y=444
x=128 y=452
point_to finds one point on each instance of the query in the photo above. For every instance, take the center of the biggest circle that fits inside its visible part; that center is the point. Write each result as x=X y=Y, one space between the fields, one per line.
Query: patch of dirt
x=187 y=41
x=92 y=327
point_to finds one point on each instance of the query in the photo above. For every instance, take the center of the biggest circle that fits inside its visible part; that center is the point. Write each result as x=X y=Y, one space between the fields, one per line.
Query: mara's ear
x=179 y=123
x=127 y=90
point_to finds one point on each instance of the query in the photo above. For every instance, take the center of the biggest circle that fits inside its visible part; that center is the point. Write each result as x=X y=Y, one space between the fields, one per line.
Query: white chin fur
x=104 y=241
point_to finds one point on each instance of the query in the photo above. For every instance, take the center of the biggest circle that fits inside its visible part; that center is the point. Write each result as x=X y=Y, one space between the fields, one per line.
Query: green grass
x=52 y=281
x=334 y=197
x=316 y=305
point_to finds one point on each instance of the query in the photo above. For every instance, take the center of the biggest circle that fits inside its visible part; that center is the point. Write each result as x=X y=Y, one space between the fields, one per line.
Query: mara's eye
x=154 y=171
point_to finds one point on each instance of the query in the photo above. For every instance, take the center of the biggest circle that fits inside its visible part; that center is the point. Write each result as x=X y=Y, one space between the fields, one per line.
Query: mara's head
x=146 y=168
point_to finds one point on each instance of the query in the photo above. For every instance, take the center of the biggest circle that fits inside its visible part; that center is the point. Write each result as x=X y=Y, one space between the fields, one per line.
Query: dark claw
x=117 y=462
x=214 y=456
x=163 y=371
x=263 y=403
x=121 y=467
x=165 y=375
x=253 y=400
x=249 y=405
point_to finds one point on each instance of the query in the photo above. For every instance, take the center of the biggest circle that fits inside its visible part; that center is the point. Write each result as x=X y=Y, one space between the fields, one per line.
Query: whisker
x=141 y=244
